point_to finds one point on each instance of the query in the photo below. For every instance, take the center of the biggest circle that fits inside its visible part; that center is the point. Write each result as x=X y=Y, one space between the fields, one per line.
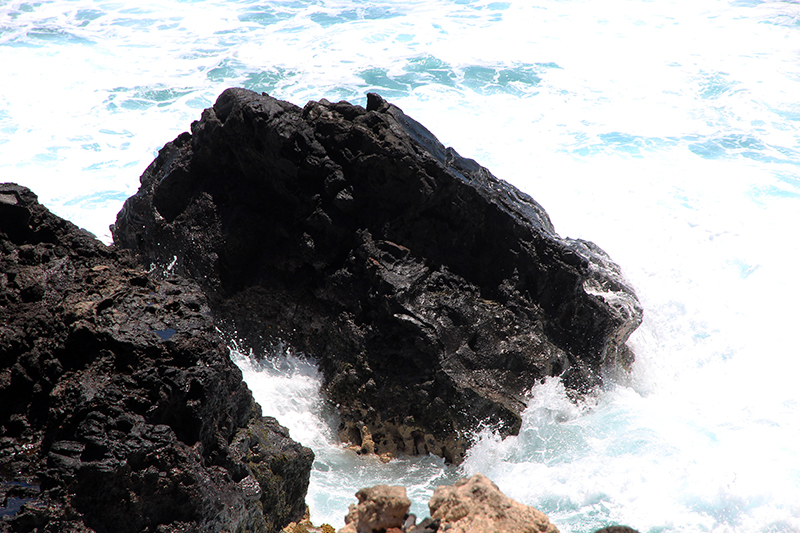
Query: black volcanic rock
x=120 y=410
x=432 y=294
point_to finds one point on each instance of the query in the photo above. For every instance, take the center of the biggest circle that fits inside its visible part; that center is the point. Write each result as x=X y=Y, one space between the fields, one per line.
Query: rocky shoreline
x=120 y=409
x=432 y=295
x=471 y=505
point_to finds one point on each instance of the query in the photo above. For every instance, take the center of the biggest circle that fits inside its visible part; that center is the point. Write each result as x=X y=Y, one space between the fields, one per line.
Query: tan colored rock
x=476 y=505
x=379 y=508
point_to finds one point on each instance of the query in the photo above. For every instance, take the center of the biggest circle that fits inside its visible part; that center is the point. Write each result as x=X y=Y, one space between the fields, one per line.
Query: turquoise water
x=667 y=132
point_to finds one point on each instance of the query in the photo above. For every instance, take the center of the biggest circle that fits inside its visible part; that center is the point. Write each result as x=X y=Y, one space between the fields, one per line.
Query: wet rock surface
x=432 y=294
x=120 y=409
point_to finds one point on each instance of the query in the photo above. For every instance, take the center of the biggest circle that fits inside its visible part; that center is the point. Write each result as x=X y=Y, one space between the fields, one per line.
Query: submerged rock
x=432 y=294
x=120 y=409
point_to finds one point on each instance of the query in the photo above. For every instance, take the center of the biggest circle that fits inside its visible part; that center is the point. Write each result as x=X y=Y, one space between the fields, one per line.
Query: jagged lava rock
x=476 y=505
x=120 y=410
x=432 y=294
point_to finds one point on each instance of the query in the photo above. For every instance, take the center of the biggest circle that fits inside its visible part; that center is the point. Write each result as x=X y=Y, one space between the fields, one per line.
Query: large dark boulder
x=432 y=294
x=120 y=409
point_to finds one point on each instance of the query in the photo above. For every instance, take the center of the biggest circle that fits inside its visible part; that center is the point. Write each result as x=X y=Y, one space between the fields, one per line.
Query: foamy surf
x=665 y=132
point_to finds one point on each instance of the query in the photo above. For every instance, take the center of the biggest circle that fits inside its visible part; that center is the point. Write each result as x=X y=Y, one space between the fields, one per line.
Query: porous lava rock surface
x=120 y=409
x=432 y=294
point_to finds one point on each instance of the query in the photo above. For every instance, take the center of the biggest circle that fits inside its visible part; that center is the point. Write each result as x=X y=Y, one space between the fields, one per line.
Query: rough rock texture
x=476 y=505
x=433 y=295
x=120 y=410
x=379 y=508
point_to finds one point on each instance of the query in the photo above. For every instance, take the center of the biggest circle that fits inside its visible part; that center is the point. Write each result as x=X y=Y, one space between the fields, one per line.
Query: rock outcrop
x=432 y=294
x=120 y=410
x=476 y=505
x=473 y=505
x=379 y=508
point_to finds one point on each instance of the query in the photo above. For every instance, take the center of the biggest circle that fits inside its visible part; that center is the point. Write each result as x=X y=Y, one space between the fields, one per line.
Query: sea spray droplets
x=288 y=388
x=676 y=456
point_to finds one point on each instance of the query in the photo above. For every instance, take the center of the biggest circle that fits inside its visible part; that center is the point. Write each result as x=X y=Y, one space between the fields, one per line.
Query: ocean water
x=667 y=132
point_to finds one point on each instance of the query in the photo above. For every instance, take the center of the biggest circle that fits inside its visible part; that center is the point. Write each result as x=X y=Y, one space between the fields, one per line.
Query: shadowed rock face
x=432 y=294
x=120 y=410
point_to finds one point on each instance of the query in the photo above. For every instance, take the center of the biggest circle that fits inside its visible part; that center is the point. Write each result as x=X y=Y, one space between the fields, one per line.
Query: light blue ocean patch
x=45 y=158
x=616 y=142
x=725 y=508
x=516 y=80
x=86 y=16
x=417 y=72
x=742 y=145
x=227 y=69
x=17 y=43
x=762 y=194
x=199 y=102
x=133 y=22
x=267 y=81
x=722 y=146
x=743 y=268
x=339 y=92
x=263 y=15
x=747 y=3
x=377 y=79
x=203 y=53
x=6 y=126
x=329 y=18
x=713 y=85
x=50 y=155
x=124 y=133
x=790 y=112
x=560 y=503
x=101 y=165
x=426 y=70
x=56 y=36
x=98 y=199
x=145 y=97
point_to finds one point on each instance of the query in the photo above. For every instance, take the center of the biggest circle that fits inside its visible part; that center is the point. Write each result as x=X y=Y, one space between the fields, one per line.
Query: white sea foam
x=666 y=132
x=287 y=387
